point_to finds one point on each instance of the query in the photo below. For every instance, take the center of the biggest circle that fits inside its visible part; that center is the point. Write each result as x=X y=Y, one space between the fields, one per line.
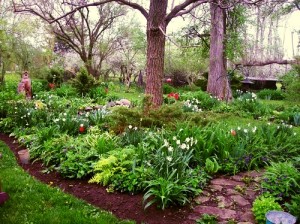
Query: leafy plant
x=270 y=94
x=118 y=161
x=281 y=180
x=294 y=205
x=207 y=219
x=262 y=205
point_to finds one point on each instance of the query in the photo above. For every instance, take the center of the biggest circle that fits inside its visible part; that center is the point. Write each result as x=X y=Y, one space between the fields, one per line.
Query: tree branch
x=263 y=63
x=120 y=2
x=180 y=9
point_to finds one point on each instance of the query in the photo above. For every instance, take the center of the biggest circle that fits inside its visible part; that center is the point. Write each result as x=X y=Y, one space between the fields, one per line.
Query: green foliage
x=168 y=89
x=131 y=181
x=34 y=202
x=294 y=205
x=55 y=75
x=206 y=102
x=281 y=180
x=270 y=94
x=291 y=82
x=207 y=219
x=118 y=161
x=262 y=205
x=237 y=17
x=83 y=82
x=78 y=163
x=65 y=90
x=132 y=136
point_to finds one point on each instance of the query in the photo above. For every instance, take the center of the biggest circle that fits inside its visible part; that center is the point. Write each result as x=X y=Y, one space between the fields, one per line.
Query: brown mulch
x=124 y=206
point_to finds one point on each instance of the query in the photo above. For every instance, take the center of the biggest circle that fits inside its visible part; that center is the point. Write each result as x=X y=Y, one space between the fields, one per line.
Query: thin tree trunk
x=156 y=27
x=218 y=84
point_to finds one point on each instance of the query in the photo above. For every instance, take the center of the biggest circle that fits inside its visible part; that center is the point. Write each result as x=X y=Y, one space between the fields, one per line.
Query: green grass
x=34 y=202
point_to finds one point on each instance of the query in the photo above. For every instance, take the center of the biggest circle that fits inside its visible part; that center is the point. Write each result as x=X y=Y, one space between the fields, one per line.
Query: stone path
x=229 y=198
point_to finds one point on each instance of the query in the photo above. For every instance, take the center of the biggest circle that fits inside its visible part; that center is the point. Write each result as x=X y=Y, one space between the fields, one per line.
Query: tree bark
x=156 y=27
x=218 y=84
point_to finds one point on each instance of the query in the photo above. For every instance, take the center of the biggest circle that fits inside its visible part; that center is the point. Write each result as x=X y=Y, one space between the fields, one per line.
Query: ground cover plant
x=31 y=201
x=168 y=154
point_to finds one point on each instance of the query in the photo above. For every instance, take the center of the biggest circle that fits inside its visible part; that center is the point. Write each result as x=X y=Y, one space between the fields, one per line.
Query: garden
x=168 y=155
x=152 y=112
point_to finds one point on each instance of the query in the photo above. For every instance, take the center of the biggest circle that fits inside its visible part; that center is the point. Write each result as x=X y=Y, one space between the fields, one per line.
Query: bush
x=291 y=82
x=269 y=94
x=83 y=82
x=262 y=205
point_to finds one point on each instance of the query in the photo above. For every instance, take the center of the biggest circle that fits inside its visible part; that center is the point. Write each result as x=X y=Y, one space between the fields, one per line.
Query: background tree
x=79 y=31
x=157 y=20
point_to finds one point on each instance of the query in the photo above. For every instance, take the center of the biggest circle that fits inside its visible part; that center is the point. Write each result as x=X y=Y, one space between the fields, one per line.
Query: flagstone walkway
x=229 y=198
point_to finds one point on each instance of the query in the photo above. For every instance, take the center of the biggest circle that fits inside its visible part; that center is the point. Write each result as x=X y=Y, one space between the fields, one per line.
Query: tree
x=77 y=31
x=157 y=22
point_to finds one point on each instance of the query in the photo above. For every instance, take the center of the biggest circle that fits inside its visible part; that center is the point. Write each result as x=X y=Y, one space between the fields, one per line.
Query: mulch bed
x=124 y=206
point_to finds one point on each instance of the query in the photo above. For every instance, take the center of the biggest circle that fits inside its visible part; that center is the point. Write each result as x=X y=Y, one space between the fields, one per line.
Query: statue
x=24 y=86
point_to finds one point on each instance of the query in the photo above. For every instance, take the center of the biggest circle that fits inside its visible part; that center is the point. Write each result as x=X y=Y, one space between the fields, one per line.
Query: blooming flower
x=174 y=138
x=169 y=158
x=187 y=140
x=233 y=132
x=183 y=146
x=81 y=128
x=246 y=130
x=170 y=149
x=178 y=142
x=135 y=128
x=130 y=126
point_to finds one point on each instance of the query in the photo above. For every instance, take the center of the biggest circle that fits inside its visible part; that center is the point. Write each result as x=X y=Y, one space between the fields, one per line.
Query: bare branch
x=120 y=2
x=263 y=63
x=179 y=9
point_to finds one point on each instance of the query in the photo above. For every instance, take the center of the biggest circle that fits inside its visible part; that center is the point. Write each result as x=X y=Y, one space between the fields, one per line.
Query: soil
x=124 y=206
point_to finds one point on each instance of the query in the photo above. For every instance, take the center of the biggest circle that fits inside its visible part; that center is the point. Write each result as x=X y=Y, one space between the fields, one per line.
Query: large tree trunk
x=156 y=27
x=218 y=84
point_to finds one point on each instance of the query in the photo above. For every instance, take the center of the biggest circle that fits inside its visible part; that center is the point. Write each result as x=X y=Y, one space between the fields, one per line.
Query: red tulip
x=233 y=132
x=51 y=85
x=81 y=128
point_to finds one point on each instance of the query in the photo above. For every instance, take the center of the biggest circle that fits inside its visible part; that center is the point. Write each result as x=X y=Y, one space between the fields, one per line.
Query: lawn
x=34 y=202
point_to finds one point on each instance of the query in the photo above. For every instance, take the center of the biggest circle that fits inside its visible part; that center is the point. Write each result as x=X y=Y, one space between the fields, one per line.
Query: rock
x=125 y=102
x=240 y=201
x=118 y=102
x=110 y=104
x=226 y=182
x=216 y=187
x=98 y=107
x=247 y=217
x=223 y=214
x=88 y=109
x=221 y=201
x=231 y=191
x=201 y=199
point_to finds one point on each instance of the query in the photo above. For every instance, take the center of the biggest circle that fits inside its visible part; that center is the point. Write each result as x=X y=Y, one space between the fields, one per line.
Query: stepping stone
x=226 y=182
x=202 y=199
x=223 y=214
x=247 y=217
x=216 y=187
x=231 y=191
x=240 y=200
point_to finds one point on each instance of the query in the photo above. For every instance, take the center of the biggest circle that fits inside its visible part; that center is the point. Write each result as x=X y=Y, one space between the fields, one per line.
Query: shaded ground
x=229 y=198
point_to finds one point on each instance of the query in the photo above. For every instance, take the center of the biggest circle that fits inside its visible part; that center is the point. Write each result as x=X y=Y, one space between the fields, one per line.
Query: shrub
x=291 y=82
x=262 y=205
x=83 y=82
x=269 y=94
